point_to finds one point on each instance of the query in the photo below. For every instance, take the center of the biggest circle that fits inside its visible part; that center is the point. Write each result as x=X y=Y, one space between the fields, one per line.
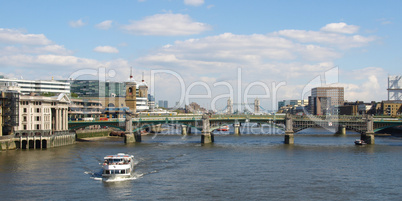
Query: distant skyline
x=209 y=42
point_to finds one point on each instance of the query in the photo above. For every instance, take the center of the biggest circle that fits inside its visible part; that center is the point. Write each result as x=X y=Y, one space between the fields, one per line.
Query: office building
x=163 y=103
x=326 y=100
x=289 y=103
x=37 y=86
x=131 y=94
x=96 y=88
x=81 y=109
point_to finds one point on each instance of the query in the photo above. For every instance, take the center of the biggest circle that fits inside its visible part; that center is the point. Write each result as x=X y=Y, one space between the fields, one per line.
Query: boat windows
x=114 y=161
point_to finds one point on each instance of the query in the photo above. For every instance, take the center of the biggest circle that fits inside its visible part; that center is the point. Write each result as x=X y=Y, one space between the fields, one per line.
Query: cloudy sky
x=209 y=50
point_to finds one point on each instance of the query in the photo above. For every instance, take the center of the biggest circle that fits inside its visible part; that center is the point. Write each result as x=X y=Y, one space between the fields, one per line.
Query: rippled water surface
x=246 y=167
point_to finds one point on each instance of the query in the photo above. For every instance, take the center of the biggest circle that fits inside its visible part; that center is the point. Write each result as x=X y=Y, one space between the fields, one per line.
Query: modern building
x=326 y=100
x=365 y=108
x=151 y=103
x=81 y=109
x=163 y=103
x=131 y=94
x=349 y=108
x=292 y=103
x=394 y=87
x=96 y=88
x=115 y=112
x=38 y=86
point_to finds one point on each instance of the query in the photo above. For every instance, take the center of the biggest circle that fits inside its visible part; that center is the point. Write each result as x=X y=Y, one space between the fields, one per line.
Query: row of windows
x=37 y=118
x=25 y=110
x=34 y=103
x=38 y=127
x=116 y=171
x=396 y=106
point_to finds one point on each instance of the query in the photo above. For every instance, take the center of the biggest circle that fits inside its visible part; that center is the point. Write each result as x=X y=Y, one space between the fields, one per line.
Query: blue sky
x=290 y=42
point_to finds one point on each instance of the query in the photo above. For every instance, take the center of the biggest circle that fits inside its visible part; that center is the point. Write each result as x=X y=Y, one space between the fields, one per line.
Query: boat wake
x=98 y=177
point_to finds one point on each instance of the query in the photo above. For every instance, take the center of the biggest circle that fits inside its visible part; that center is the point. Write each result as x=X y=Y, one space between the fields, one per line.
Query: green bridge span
x=206 y=124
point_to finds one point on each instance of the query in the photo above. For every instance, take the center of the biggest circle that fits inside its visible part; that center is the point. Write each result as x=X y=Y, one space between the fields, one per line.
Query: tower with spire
x=256 y=106
x=131 y=93
x=143 y=88
x=229 y=107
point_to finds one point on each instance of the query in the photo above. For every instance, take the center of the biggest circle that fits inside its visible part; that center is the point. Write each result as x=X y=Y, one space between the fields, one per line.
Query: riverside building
x=38 y=86
x=33 y=115
x=131 y=94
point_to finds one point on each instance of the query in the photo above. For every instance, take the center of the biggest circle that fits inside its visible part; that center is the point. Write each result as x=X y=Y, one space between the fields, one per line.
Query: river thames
x=319 y=166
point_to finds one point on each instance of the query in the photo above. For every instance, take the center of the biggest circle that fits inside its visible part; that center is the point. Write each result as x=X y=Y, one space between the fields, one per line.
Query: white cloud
x=47 y=49
x=385 y=21
x=12 y=36
x=166 y=25
x=106 y=49
x=105 y=25
x=234 y=49
x=334 y=39
x=293 y=56
x=194 y=2
x=368 y=84
x=50 y=60
x=76 y=24
x=340 y=27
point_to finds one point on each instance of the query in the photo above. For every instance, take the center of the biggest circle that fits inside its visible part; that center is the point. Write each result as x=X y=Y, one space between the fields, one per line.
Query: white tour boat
x=118 y=166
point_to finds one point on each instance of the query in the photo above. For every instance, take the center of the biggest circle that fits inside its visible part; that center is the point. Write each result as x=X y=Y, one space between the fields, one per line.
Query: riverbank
x=92 y=133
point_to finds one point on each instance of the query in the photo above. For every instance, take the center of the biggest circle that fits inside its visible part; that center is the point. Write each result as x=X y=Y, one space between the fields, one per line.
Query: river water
x=319 y=166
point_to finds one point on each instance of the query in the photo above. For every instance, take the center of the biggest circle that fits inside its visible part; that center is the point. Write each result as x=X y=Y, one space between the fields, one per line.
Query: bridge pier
x=129 y=136
x=206 y=134
x=184 y=129
x=289 y=137
x=207 y=138
x=236 y=129
x=341 y=130
x=368 y=136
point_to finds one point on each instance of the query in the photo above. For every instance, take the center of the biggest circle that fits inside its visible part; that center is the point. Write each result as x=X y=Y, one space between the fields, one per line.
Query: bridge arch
x=78 y=126
x=144 y=126
x=385 y=127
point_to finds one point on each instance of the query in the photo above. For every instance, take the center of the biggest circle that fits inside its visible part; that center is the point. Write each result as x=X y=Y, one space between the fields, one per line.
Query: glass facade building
x=96 y=88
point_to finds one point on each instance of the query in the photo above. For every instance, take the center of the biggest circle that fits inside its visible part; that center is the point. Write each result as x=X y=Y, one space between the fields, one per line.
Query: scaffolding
x=394 y=87
x=9 y=102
